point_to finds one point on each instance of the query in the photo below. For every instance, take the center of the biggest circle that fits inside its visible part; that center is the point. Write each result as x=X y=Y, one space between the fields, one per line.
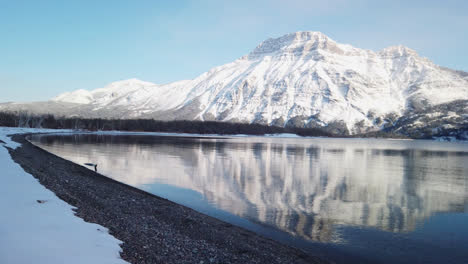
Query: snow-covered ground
x=47 y=232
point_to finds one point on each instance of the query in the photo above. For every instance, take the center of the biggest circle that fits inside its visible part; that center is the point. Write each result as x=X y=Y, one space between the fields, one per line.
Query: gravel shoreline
x=153 y=229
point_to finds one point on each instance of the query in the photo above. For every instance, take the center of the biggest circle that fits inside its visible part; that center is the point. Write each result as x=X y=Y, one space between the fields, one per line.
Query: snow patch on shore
x=37 y=227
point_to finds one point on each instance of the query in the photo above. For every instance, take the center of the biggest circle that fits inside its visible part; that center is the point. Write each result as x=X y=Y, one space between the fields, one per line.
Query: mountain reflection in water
x=309 y=188
x=304 y=187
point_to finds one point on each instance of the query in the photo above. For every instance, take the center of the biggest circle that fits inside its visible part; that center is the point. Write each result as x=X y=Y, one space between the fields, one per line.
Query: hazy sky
x=49 y=47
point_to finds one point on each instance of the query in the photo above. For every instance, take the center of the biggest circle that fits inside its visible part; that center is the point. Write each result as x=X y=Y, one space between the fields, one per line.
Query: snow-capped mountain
x=300 y=79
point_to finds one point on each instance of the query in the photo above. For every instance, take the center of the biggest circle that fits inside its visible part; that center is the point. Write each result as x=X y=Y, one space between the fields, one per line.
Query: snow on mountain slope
x=79 y=97
x=114 y=93
x=300 y=79
x=307 y=75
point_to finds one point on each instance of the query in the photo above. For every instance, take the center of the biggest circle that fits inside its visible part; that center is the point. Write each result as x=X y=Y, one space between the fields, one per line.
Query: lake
x=348 y=200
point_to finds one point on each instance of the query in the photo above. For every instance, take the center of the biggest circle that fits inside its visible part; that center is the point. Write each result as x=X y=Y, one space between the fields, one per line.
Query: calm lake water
x=349 y=200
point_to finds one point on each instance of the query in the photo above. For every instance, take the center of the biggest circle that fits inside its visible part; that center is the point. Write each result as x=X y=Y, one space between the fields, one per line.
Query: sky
x=50 y=47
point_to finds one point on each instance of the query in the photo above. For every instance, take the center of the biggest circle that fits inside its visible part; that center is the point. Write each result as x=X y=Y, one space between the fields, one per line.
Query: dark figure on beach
x=92 y=164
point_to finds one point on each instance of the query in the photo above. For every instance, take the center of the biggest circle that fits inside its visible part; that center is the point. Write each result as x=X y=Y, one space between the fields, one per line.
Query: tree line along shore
x=24 y=119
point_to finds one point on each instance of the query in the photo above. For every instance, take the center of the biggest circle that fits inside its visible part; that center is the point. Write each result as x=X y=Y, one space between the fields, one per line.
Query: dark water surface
x=350 y=200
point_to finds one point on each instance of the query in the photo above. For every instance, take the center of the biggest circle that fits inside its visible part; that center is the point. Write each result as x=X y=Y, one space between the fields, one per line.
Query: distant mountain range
x=302 y=79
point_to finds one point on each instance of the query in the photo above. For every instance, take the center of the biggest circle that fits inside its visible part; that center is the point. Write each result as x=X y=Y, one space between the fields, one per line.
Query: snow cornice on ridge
x=398 y=50
x=132 y=81
x=273 y=45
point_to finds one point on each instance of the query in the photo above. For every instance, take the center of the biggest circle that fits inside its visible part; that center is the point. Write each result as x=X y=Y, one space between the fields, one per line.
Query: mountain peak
x=129 y=82
x=307 y=36
x=80 y=96
x=292 y=41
